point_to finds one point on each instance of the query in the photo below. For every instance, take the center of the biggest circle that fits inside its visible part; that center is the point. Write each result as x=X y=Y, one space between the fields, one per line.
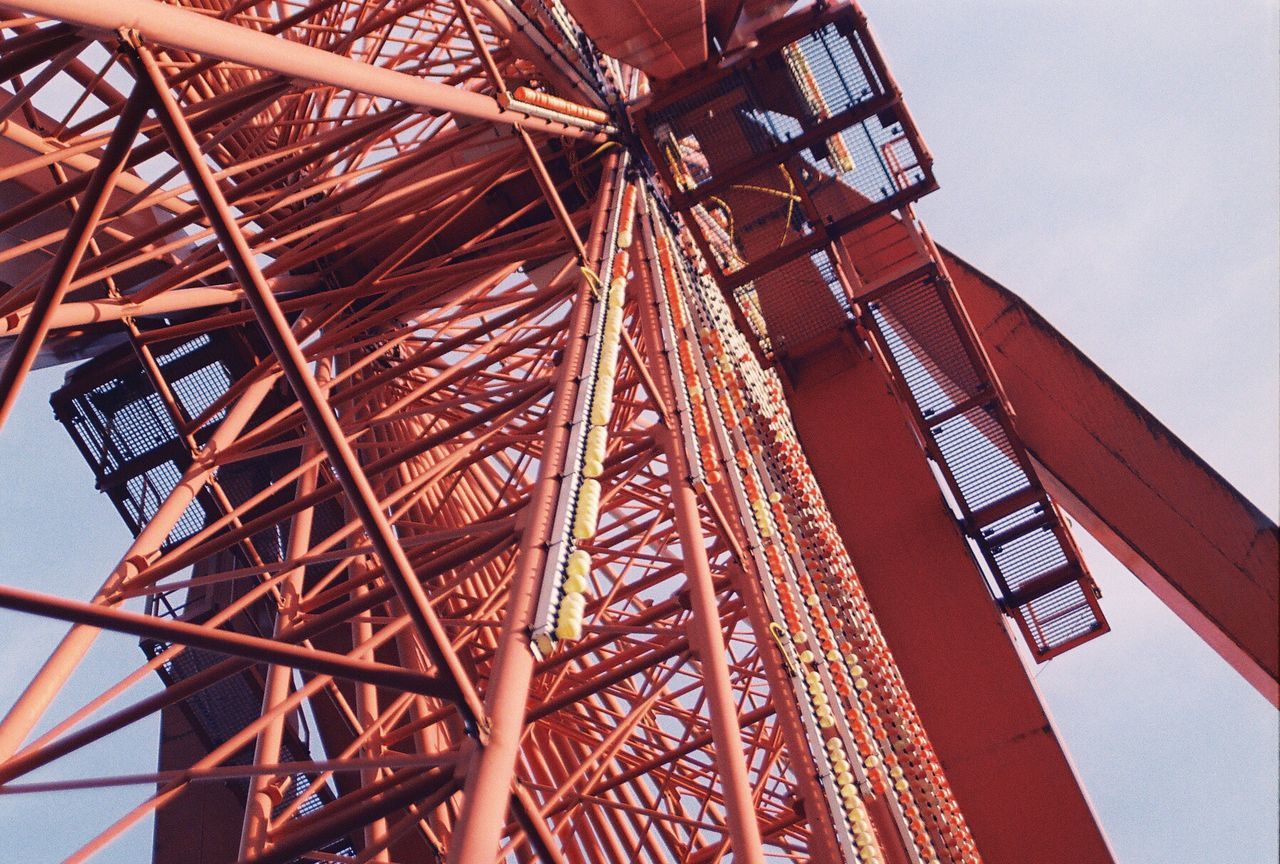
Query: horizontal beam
x=24 y=152
x=222 y=641
x=207 y=36
x=223 y=773
x=84 y=313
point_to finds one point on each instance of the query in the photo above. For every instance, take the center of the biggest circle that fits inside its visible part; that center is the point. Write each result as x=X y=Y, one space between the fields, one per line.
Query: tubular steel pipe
x=320 y=416
x=258 y=803
x=34 y=701
x=36 y=756
x=539 y=167
x=351 y=477
x=478 y=833
x=70 y=253
x=368 y=714
x=823 y=843
x=427 y=791
x=221 y=641
x=82 y=157
x=109 y=309
x=706 y=639
x=210 y=37
x=223 y=773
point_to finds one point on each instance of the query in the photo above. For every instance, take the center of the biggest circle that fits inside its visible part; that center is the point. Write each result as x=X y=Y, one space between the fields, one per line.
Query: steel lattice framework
x=441 y=401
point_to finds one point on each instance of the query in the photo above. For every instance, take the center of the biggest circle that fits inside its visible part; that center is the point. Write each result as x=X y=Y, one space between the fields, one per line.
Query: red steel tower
x=548 y=434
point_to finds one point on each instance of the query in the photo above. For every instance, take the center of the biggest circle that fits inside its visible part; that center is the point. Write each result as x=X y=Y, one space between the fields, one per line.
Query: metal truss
x=481 y=482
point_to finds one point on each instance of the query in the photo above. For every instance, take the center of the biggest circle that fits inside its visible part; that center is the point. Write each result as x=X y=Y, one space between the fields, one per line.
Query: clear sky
x=1114 y=163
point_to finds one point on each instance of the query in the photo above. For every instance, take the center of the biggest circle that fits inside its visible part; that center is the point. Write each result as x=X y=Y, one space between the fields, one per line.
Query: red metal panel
x=204 y=826
x=1010 y=773
x=663 y=38
x=1196 y=542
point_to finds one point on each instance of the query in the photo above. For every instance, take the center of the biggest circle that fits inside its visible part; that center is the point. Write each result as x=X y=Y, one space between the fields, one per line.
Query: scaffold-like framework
x=438 y=368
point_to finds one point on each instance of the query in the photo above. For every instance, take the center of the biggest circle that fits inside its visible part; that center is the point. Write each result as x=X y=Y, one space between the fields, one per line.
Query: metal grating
x=772 y=157
x=125 y=432
x=975 y=447
x=226 y=707
x=1029 y=555
x=927 y=347
x=1058 y=618
x=1035 y=567
x=119 y=421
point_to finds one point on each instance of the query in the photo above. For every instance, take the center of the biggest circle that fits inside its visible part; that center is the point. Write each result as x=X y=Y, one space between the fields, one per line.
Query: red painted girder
x=187 y=30
x=662 y=37
x=1011 y=776
x=666 y=37
x=1197 y=543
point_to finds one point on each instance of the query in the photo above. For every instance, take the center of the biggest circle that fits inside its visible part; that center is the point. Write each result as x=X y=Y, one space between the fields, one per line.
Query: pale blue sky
x=1117 y=165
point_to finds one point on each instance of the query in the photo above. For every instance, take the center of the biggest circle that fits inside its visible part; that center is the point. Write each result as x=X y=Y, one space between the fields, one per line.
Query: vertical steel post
x=706 y=637
x=260 y=802
x=492 y=768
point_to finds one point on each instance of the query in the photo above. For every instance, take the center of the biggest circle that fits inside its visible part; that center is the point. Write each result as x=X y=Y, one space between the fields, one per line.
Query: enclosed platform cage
x=772 y=154
x=790 y=163
x=136 y=424
x=133 y=437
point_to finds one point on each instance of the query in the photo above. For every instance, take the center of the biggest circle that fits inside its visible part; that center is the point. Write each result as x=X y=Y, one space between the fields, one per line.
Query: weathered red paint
x=1019 y=791
x=1197 y=543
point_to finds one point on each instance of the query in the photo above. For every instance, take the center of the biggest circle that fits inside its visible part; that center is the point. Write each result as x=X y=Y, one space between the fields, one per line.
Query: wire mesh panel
x=975 y=447
x=761 y=214
x=773 y=156
x=1034 y=565
x=876 y=156
x=1057 y=619
x=926 y=346
x=776 y=154
x=127 y=433
x=801 y=301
